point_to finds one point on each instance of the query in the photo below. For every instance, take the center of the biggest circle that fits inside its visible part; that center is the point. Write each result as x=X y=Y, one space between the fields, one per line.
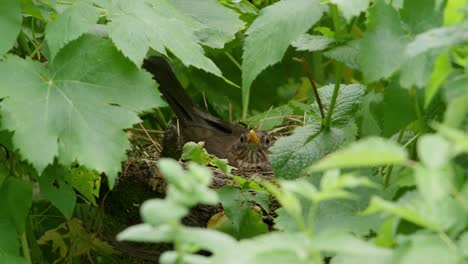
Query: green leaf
x=457 y=111
x=367 y=152
x=344 y=243
x=274 y=247
x=347 y=102
x=238 y=208
x=458 y=137
x=57 y=191
x=196 y=153
x=158 y=212
x=398 y=110
x=408 y=208
x=434 y=151
x=463 y=243
x=270 y=118
x=16 y=197
x=424 y=247
x=9 y=244
x=384 y=41
x=86 y=182
x=416 y=71
x=453 y=12
x=369 y=115
x=442 y=69
x=271 y=34
x=312 y=42
x=137 y=26
x=3 y=173
x=147 y=233
x=438 y=38
x=10 y=24
x=70 y=25
x=421 y=15
x=289 y=156
x=12 y=259
x=348 y=54
x=77 y=105
x=219 y=24
x=351 y=8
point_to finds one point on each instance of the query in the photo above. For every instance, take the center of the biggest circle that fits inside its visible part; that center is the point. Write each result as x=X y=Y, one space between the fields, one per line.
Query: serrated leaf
x=77 y=105
x=219 y=24
x=421 y=15
x=383 y=43
x=312 y=42
x=57 y=191
x=137 y=26
x=16 y=197
x=348 y=54
x=347 y=102
x=438 y=38
x=351 y=8
x=368 y=152
x=10 y=24
x=289 y=156
x=271 y=34
x=70 y=25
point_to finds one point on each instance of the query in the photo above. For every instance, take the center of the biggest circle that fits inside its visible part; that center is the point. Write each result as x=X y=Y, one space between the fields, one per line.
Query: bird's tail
x=170 y=87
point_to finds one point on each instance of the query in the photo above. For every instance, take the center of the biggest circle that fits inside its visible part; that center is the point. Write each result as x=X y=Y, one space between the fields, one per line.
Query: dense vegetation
x=370 y=97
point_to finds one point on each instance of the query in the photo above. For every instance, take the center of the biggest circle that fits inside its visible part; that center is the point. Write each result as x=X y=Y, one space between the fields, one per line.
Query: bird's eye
x=267 y=140
x=242 y=139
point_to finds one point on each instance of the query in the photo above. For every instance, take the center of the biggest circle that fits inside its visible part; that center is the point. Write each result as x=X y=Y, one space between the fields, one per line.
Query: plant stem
x=25 y=246
x=388 y=174
x=233 y=60
x=314 y=87
x=339 y=74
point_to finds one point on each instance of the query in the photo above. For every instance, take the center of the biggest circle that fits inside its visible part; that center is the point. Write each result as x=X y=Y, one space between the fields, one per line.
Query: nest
x=140 y=180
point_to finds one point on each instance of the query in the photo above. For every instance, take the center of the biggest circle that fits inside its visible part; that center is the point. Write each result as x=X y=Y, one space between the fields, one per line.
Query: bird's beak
x=253 y=138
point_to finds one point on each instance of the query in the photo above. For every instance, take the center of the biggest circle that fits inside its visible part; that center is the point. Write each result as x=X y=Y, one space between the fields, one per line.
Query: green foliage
x=10 y=24
x=374 y=167
x=260 y=51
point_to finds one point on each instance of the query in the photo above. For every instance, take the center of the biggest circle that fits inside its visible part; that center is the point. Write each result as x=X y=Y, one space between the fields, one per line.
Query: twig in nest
x=151 y=139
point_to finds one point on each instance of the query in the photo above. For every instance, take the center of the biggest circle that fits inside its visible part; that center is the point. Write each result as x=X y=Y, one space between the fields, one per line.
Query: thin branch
x=314 y=87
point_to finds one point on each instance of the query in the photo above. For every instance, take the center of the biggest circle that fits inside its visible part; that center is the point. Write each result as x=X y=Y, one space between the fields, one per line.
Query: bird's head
x=250 y=152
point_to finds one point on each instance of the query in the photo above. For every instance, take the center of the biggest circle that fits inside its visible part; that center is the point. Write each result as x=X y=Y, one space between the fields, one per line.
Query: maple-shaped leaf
x=70 y=25
x=75 y=107
x=217 y=24
x=135 y=26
